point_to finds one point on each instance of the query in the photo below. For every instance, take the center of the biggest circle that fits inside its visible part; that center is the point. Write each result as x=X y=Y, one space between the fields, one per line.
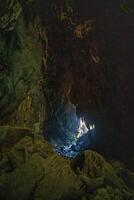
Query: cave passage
x=69 y=133
x=83 y=139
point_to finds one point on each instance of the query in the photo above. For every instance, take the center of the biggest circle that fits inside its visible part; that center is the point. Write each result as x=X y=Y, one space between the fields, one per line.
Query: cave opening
x=80 y=140
x=69 y=133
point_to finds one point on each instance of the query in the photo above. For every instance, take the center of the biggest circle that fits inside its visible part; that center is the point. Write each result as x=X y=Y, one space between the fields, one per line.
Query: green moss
x=29 y=169
x=10 y=135
x=20 y=59
x=101 y=194
x=9 y=19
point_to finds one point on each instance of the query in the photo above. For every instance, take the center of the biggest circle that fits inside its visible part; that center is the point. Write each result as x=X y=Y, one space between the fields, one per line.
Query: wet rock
x=128 y=177
x=9 y=19
x=126 y=174
x=9 y=136
x=60 y=182
x=96 y=173
x=26 y=179
x=20 y=60
x=31 y=170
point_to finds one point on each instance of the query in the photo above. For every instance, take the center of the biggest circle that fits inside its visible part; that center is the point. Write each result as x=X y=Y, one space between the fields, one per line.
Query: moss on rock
x=9 y=136
x=31 y=170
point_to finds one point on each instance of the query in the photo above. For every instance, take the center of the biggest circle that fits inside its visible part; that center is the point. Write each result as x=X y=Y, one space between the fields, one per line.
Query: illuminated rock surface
x=30 y=170
x=55 y=54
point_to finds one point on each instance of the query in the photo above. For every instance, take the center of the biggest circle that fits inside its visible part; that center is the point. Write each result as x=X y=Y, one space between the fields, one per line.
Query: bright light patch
x=78 y=142
x=91 y=127
x=82 y=128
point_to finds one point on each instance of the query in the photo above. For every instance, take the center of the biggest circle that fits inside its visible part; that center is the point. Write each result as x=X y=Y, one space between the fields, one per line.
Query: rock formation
x=59 y=61
x=31 y=170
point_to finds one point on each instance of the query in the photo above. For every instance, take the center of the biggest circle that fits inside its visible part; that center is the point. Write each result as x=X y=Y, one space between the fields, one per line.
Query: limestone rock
x=9 y=18
x=9 y=136
x=31 y=170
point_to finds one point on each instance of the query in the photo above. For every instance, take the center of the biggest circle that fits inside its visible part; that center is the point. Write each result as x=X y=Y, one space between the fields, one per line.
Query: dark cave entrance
x=68 y=133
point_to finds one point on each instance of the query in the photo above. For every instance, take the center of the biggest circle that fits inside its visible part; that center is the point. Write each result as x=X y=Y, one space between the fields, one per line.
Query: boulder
x=9 y=136
x=31 y=170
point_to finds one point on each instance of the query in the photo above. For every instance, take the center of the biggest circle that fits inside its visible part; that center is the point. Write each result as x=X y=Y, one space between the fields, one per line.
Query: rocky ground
x=31 y=170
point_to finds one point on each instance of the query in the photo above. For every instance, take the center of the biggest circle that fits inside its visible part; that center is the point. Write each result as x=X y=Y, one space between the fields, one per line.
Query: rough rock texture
x=84 y=55
x=20 y=61
x=63 y=127
x=88 y=59
x=30 y=170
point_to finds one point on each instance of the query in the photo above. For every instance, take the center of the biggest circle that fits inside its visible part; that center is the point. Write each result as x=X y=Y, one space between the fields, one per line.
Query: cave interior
x=66 y=99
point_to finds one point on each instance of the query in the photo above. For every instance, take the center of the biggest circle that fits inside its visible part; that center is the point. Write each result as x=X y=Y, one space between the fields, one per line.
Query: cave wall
x=87 y=60
x=92 y=50
x=20 y=61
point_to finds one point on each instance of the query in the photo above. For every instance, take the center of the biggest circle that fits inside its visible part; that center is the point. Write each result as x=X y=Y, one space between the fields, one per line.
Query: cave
x=66 y=100
x=68 y=133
